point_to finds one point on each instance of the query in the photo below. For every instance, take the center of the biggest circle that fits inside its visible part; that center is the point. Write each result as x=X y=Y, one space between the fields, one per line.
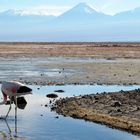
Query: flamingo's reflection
x=10 y=134
x=9 y=129
x=13 y=134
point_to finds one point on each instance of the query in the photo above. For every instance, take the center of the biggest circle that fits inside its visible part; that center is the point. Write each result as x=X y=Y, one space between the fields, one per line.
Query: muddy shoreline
x=118 y=110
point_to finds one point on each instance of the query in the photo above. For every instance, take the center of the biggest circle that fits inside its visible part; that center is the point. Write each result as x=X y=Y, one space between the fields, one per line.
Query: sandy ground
x=79 y=63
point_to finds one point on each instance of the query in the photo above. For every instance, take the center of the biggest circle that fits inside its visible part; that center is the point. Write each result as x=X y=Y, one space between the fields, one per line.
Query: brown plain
x=98 y=50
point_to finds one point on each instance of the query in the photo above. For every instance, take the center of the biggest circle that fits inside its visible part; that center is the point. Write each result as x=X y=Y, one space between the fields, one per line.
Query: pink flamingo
x=13 y=89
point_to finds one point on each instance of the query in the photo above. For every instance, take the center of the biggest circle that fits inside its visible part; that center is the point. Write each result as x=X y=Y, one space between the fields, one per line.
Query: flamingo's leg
x=15 y=114
x=9 y=109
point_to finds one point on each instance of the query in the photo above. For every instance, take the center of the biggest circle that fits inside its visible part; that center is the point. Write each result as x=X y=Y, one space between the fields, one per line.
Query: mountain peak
x=81 y=11
x=83 y=8
x=86 y=8
x=83 y=4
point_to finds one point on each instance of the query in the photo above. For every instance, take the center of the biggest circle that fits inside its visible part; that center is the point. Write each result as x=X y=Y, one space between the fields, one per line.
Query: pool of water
x=37 y=122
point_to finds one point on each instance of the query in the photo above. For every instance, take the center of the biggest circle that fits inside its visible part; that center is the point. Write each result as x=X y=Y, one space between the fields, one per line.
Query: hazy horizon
x=56 y=8
x=84 y=21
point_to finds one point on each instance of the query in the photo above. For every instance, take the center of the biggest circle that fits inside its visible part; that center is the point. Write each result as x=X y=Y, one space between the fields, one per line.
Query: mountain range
x=80 y=23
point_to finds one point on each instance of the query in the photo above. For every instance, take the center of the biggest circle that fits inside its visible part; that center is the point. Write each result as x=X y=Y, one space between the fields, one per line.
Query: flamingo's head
x=24 y=90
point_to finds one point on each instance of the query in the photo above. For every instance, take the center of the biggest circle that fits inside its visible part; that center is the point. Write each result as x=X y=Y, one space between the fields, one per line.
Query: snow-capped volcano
x=81 y=14
x=81 y=10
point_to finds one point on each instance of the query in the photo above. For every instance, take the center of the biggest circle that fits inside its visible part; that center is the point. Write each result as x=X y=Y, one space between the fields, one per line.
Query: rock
x=122 y=91
x=50 y=102
x=96 y=101
x=138 y=108
x=118 y=110
x=85 y=115
x=57 y=117
x=96 y=98
x=116 y=104
x=52 y=95
x=74 y=116
x=60 y=91
x=53 y=108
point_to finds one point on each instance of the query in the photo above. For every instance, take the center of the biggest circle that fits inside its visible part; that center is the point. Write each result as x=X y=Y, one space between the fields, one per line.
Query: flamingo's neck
x=4 y=99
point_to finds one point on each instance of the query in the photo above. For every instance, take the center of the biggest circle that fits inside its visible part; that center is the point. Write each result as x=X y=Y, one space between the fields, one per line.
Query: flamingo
x=13 y=89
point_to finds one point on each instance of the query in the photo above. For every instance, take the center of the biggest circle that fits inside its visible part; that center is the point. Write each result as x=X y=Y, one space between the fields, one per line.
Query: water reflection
x=10 y=135
x=21 y=104
x=36 y=121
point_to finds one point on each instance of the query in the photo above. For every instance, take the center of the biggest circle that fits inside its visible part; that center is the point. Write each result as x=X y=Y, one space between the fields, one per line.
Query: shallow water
x=34 y=66
x=19 y=67
x=37 y=122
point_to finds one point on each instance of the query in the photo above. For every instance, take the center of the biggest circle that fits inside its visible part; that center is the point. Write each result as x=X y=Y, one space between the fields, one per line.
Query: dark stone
x=52 y=95
x=50 y=101
x=74 y=116
x=60 y=91
x=96 y=98
x=116 y=104
x=53 y=108
x=138 y=108
x=85 y=115
x=121 y=91
x=96 y=101
x=118 y=110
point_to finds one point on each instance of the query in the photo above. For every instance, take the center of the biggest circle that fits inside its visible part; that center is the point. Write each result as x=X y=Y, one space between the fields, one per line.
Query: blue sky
x=56 y=7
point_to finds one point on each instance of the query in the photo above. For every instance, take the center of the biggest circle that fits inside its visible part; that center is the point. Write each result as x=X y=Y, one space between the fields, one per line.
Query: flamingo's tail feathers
x=24 y=89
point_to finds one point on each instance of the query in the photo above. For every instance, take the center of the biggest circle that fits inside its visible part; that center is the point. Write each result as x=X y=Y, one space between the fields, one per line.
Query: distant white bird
x=13 y=89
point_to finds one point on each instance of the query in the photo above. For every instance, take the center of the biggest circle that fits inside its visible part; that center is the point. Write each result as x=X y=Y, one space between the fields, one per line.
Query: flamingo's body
x=13 y=89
